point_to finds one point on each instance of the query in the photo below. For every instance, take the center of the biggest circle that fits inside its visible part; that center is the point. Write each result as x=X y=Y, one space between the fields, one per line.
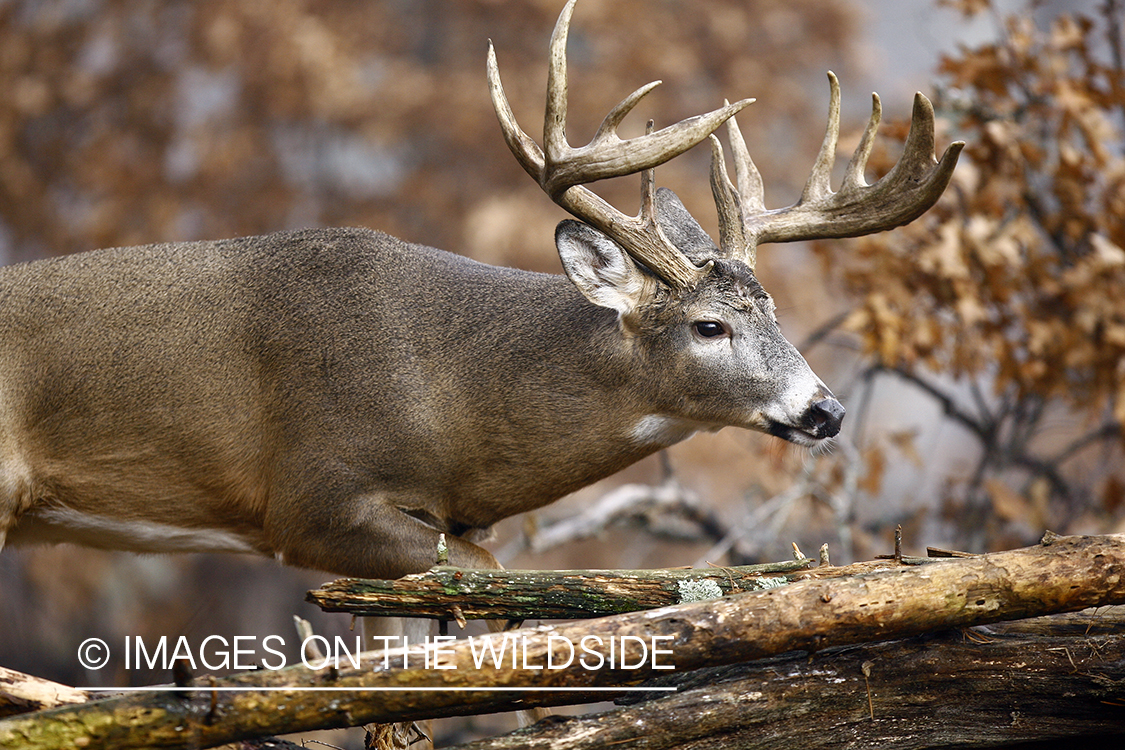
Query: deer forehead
x=730 y=285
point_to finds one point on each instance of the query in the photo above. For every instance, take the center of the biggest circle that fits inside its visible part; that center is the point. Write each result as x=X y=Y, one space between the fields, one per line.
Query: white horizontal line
x=307 y=689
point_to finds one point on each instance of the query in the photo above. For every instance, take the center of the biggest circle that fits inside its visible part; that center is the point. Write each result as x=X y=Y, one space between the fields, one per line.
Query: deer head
x=696 y=306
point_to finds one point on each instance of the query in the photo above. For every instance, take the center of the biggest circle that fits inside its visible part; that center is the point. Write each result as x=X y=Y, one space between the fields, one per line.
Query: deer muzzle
x=820 y=421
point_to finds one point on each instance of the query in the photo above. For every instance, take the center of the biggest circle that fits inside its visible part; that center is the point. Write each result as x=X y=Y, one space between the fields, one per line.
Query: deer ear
x=600 y=268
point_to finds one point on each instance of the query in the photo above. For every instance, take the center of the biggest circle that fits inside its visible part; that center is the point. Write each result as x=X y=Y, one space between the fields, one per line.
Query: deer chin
x=796 y=435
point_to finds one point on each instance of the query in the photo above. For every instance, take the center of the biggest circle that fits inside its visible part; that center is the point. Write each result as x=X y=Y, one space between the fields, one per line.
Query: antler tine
x=522 y=146
x=554 y=116
x=902 y=195
x=731 y=202
x=733 y=242
x=853 y=176
x=747 y=176
x=562 y=170
x=648 y=183
x=819 y=184
x=918 y=152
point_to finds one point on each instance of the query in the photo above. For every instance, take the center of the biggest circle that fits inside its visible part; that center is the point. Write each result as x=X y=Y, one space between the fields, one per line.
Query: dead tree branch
x=540 y=594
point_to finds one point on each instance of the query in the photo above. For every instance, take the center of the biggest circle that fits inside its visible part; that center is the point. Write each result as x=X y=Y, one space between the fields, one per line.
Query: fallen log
x=1059 y=575
x=1046 y=678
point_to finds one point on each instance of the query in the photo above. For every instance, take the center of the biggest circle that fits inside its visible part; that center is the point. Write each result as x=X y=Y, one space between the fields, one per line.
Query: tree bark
x=1059 y=575
x=990 y=686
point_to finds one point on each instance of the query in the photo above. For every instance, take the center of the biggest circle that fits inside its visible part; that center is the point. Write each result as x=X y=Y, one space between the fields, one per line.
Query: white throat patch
x=662 y=430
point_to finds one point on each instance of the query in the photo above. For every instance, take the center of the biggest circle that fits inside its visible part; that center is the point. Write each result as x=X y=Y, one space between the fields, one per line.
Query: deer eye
x=709 y=329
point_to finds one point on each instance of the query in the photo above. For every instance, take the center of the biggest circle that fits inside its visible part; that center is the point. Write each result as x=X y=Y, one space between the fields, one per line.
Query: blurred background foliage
x=979 y=350
x=1004 y=305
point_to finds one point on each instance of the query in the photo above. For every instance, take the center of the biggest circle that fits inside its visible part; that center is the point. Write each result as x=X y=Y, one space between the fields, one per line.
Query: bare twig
x=625 y=502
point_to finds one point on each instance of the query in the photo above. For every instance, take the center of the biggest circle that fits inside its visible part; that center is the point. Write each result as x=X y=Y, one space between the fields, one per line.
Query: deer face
x=708 y=355
x=736 y=366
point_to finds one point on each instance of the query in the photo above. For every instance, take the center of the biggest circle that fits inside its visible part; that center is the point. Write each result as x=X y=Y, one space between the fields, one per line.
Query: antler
x=561 y=170
x=902 y=195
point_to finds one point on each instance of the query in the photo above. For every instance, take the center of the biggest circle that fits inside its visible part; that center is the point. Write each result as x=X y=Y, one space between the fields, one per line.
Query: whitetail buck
x=336 y=398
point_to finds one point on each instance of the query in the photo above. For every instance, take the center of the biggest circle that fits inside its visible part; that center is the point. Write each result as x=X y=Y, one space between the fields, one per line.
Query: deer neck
x=571 y=380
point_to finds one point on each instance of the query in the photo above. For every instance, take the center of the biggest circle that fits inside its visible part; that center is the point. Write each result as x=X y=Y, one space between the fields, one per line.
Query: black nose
x=825 y=417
